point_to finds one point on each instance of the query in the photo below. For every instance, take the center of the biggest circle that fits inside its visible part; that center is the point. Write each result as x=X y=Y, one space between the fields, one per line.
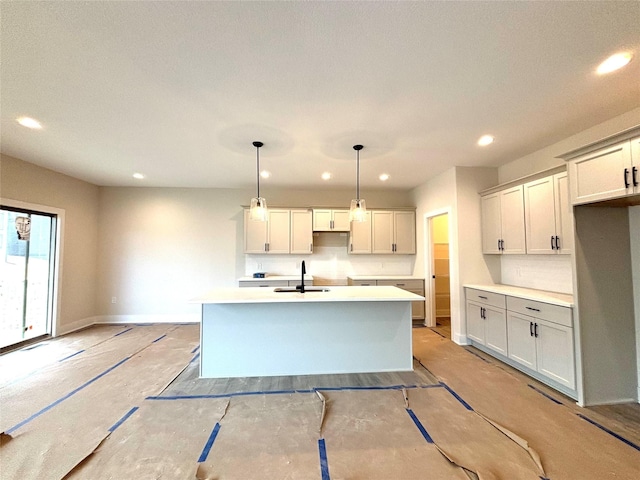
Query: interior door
x=27 y=245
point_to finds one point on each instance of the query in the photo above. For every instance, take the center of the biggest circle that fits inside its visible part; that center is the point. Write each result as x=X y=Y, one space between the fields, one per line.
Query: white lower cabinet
x=536 y=337
x=545 y=347
x=486 y=320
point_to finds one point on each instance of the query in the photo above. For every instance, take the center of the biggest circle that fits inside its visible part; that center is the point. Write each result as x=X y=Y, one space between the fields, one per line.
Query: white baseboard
x=461 y=339
x=146 y=319
x=125 y=319
x=75 y=326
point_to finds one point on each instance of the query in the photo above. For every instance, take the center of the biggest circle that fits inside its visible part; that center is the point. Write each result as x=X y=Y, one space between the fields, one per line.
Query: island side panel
x=269 y=339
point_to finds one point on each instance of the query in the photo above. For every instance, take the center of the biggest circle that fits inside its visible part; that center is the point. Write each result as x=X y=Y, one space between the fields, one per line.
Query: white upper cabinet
x=301 y=231
x=605 y=174
x=327 y=220
x=503 y=226
x=360 y=237
x=549 y=227
x=393 y=232
x=272 y=236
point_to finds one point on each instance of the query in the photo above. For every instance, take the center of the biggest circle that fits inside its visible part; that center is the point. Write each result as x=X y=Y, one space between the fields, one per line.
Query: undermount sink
x=297 y=289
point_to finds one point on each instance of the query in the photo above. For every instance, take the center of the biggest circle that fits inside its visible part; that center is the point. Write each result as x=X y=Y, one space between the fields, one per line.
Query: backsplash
x=542 y=272
x=330 y=264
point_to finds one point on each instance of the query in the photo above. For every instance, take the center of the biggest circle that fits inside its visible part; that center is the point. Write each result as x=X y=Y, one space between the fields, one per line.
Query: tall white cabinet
x=548 y=216
x=503 y=230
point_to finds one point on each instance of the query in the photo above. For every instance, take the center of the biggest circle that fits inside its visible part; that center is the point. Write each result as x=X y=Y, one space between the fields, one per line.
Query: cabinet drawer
x=487 y=298
x=362 y=283
x=409 y=284
x=546 y=311
x=264 y=283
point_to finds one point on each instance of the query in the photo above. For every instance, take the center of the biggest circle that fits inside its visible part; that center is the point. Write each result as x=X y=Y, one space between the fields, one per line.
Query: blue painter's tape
x=60 y=400
x=195 y=349
x=418 y=423
x=209 y=444
x=613 y=434
x=124 y=331
x=282 y=392
x=324 y=463
x=72 y=355
x=435 y=331
x=123 y=419
x=457 y=397
x=195 y=357
x=544 y=394
x=479 y=356
x=159 y=338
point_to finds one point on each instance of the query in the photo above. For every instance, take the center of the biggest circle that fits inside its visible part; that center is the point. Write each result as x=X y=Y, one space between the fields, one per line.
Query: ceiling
x=179 y=90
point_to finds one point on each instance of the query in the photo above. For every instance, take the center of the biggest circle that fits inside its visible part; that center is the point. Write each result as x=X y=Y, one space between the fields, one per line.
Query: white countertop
x=384 y=277
x=335 y=294
x=275 y=277
x=562 y=299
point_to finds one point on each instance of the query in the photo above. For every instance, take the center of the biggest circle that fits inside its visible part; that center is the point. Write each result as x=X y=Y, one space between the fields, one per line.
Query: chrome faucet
x=304 y=271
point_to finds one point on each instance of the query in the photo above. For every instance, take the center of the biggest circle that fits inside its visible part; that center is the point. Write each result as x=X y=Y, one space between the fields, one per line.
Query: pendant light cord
x=358 y=175
x=258 y=145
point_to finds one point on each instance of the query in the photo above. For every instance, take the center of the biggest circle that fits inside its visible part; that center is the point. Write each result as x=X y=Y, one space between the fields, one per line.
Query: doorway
x=440 y=291
x=27 y=258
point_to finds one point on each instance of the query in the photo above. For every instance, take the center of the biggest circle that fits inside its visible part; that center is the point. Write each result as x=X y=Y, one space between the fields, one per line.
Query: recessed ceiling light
x=614 y=62
x=485 y=140
x=29 y=123
x=326 y=176
x=265 y=174
x=384 y=177
x=139 y=176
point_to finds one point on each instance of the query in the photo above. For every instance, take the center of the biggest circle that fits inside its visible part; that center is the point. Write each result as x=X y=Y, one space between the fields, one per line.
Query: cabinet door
x=321 y=220
x=382 y=232
x=491 y=229
x=475 y=323
x=600 y=175
x=635 y=159
x=255 y=235
x=564 y=214
x=521 y=344
x=360 y=236
x=496 y=329
x=341 y=221
x=278 y=231
x=405 y=232
x=301 y=231
x=512 y=220
x=554 y=348
x=539 y=208
x=417 y=309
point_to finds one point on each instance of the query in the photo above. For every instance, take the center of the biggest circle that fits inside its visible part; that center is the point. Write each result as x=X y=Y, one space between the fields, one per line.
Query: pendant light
x=258 y=210
x=358 y=210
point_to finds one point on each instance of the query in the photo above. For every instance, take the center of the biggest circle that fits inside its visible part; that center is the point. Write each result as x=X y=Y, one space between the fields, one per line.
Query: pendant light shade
x=258 y=209
x=358 y=210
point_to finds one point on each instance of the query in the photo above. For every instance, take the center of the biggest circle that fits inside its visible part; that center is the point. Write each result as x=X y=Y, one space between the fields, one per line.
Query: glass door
x=27 y=246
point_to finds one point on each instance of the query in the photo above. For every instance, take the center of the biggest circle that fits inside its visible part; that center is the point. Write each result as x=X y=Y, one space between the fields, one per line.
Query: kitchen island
x=248 y=332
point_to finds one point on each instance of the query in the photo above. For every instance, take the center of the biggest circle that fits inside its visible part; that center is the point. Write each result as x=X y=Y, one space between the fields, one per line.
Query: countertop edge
x=553 y=298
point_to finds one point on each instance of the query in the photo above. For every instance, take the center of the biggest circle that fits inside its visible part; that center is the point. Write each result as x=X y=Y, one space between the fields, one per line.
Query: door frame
x=54 y=304
x=430 y=311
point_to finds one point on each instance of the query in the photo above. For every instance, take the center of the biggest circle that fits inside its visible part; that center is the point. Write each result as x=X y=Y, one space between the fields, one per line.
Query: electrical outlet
x=113 y=299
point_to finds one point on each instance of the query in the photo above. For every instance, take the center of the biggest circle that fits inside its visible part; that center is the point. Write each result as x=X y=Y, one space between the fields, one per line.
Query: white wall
x=545 y=158
x=456 y=191
x=159 y=247
x=28 y=183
